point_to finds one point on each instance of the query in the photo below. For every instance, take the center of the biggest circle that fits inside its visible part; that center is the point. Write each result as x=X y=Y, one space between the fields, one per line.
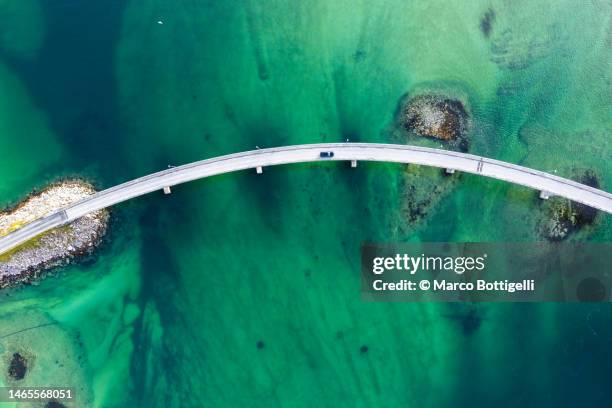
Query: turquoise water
x=243 y=290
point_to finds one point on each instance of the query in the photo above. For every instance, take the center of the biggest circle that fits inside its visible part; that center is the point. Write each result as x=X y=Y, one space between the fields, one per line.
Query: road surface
x=547 y=184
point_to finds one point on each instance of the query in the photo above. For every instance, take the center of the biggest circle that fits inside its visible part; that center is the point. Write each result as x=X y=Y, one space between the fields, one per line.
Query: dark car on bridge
x=326 y=155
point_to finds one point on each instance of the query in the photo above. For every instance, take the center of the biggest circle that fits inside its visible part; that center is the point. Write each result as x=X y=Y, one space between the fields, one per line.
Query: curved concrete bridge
x=547 y=184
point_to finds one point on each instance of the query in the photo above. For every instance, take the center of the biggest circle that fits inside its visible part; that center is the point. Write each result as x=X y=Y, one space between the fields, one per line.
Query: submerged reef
x=423 y=188
x=517 y=45
x=438 y=117
x=54 y=248
x=564 y=217
x=486 y=22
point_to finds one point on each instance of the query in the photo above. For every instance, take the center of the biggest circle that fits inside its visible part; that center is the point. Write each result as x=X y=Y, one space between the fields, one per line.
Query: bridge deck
x=548 y=183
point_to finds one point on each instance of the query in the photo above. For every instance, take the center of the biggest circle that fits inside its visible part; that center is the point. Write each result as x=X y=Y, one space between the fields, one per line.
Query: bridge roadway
x=546 y=183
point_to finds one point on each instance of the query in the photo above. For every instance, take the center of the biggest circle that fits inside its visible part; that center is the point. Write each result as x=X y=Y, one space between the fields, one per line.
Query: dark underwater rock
x=423 y=188
x=54 y=404
x=18 y=367
x=565 y=217
x=486 y=22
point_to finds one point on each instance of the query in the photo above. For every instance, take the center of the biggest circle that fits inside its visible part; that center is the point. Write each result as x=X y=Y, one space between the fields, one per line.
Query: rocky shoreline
x=56 y=247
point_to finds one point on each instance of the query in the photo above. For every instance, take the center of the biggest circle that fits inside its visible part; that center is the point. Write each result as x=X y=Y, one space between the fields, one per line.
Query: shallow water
x=244 y=289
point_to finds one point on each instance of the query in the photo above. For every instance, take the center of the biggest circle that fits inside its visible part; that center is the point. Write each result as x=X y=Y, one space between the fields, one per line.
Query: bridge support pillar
x=167 y=190
x=259 y=169
x=450 y=171
x=353 y=163
x=545 y=195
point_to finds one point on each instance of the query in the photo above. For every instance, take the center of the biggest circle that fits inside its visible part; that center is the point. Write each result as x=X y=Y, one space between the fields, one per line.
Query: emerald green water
x=170 y=311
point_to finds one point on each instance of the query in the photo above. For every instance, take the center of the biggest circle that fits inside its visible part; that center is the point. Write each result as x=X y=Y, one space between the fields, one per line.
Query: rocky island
x=56 y=247
x=438 y=117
